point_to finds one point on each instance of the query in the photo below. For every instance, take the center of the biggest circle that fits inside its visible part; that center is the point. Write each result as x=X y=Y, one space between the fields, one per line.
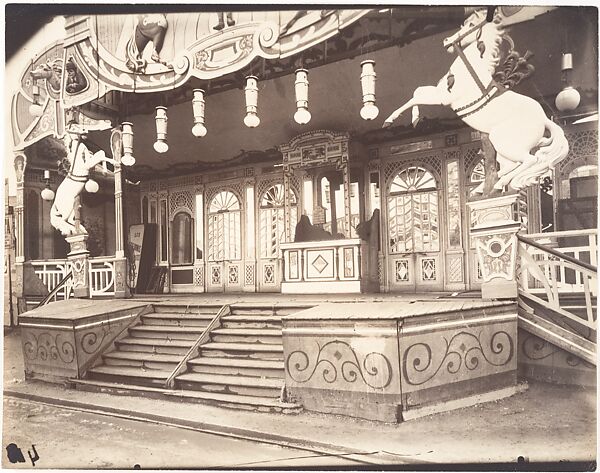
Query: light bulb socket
x=198 y=107
x=566 y=62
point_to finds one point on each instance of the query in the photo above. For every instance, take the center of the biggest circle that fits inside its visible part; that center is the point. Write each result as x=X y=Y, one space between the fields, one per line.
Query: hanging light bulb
x=198 y=129
x=302 y=115
x=160 y=145
x=369 y=111
x=91 y=186
x=251 y=119
x=568 y=98
x=47 y=193
x=35 y=108
x=127 y=136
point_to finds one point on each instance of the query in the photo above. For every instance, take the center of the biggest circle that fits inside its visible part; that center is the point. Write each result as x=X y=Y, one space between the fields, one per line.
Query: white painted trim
x=76 y=327
x=320 y=287
x=347 y=332
x=554 y=335
x=454 y=323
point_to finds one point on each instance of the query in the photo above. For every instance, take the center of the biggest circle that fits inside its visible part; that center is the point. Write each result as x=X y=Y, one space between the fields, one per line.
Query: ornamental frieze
x=155 y=52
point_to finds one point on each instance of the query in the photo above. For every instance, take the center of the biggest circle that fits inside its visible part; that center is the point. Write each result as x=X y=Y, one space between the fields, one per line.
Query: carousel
x=405 y=150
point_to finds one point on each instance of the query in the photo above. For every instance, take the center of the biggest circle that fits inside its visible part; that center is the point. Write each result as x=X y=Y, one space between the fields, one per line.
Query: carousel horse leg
x=425 y=95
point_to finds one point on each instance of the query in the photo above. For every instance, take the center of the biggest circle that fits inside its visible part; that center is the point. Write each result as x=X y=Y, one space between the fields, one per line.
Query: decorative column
x=79 y=264
x=250 y=272
x=121 y=288
x=20 y=163
x=494 y=225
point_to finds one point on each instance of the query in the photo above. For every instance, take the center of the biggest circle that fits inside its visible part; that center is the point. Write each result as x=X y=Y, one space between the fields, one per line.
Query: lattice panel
x=455 y=269
x=269 y=274
x=199 y=276
x=472 y=156
x=215 y=275
x=583 y=149
x=250 y=271
x=432 y=162
x=237 y=188
x=181 y=199
x=428 y=269
x=401 y=272
x=234 y=275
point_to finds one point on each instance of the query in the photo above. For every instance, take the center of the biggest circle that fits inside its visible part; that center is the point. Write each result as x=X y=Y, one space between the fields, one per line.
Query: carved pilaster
x=495 y=223
x=79 y=263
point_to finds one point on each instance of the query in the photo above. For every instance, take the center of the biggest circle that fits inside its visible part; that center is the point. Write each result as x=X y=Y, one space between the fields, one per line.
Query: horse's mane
x=491 y=37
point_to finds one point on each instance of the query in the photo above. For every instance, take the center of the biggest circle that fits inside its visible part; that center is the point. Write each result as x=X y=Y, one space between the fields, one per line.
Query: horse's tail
x=554 y=149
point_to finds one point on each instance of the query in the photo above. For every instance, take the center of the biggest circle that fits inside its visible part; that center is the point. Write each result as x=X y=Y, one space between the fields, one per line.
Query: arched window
x=224 y=227
x=272 y=220
x=413 y=215
x=182 y=241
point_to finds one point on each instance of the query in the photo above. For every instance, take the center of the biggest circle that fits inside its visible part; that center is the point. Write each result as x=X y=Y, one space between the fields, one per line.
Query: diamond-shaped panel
x=319 y=263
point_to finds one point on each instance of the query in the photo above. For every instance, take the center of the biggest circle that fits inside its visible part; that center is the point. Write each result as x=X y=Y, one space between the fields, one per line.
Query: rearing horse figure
x=516 y=124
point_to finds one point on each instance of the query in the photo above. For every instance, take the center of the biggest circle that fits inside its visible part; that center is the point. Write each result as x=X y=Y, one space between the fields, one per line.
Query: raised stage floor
x=387 y=357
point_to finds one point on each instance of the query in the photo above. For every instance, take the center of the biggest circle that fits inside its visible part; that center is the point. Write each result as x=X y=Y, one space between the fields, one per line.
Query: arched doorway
x=224 y=242
x=413 y=231
x=271 y=232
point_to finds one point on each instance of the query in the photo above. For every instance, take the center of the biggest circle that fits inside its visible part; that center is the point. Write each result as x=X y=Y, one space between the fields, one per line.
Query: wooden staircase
x=558 y=298
x=238 y=362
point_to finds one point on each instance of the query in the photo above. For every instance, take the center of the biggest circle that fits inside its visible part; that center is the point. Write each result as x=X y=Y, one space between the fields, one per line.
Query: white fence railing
x=51 y=273
x=101 y=272
x=102 y=276
x=579 y=244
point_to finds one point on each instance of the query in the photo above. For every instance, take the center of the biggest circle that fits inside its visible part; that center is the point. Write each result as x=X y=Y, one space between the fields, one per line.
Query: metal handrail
x=558 y=254
x=54 y=291
x=215 y=322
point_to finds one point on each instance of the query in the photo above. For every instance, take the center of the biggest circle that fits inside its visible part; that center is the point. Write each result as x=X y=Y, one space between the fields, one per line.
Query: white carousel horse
x=62 y=214
x=515 y=123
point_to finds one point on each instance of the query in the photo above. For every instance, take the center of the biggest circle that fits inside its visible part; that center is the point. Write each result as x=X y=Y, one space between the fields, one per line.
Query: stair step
x=238 y=367
x=154 y=345
x=232 y=380
x=127 y=372
x=177 y=320
x=242 y=363
x=141 y=359
x=233 y=401
x=231 y=384
x=266 y=404
x=163 y=332
x=184 y=309
x=242 y=347
x=247 y=335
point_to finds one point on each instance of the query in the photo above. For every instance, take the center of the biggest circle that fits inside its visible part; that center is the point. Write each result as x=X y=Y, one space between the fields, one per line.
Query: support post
x=20 y=163
x=121 y=288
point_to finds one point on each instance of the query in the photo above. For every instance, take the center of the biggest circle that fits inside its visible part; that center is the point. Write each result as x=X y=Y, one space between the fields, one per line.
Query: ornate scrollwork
x=47 y=346
x=337 y=358
x=92 y=341
x=464 y=349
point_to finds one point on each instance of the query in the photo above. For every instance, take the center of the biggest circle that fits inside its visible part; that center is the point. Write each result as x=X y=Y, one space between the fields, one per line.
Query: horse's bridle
x=70 y=175
x=486 y=92
x=459 y=50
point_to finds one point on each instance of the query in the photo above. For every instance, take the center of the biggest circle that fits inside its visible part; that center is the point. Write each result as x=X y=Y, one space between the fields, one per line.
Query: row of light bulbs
x=369 y=111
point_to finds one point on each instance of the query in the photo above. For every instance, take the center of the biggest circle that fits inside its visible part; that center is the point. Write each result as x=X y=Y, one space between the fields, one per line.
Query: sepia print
x=300 y=237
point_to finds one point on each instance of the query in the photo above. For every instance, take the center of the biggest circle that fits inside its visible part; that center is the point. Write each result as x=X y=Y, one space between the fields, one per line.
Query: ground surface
x=107 y=442
x=545 y=423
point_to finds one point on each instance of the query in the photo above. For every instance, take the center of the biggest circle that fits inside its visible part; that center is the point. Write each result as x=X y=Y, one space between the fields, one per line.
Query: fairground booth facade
x=446 y=155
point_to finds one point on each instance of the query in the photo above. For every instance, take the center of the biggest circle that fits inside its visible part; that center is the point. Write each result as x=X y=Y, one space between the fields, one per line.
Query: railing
x=65 y=286
x=193 y=351
x=101 y=273
x=548 y=276
x=581 y=245
x=51 y=273
x=102 y=276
